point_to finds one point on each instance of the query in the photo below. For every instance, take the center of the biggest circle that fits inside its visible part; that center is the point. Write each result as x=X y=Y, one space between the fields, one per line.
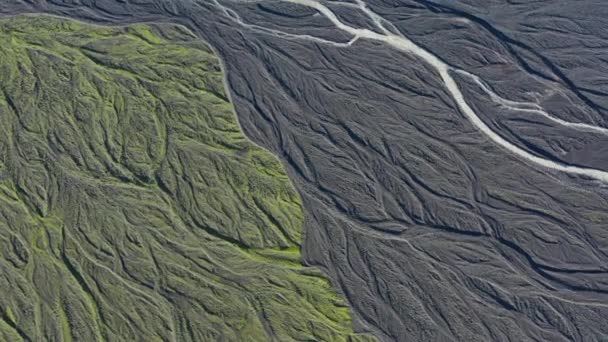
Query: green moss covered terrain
x=132 y=207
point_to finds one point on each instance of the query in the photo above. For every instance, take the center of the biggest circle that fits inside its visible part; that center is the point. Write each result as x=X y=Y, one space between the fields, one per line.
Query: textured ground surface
x=431 y=229
x=133 y=208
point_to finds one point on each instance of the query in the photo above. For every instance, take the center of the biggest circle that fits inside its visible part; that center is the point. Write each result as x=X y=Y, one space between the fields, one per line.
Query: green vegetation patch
x=132 y=208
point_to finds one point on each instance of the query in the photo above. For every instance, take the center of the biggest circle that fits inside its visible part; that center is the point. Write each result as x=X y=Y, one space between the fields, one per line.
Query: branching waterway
x=402 y=43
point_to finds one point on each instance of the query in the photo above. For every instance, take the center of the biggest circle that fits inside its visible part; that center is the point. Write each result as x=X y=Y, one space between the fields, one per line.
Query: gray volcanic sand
x=431 y=230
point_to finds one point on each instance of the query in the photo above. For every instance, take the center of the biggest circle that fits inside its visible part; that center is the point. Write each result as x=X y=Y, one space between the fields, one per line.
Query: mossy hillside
x=133 y=208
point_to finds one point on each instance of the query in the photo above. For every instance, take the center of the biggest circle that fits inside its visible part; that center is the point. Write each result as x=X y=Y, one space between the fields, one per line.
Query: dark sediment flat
x=430 y=230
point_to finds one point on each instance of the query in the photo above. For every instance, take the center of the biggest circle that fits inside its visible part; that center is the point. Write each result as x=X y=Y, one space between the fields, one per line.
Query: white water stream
x=402 y=43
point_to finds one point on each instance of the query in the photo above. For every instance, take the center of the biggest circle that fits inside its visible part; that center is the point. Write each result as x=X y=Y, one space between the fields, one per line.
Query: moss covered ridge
x=132 y=206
